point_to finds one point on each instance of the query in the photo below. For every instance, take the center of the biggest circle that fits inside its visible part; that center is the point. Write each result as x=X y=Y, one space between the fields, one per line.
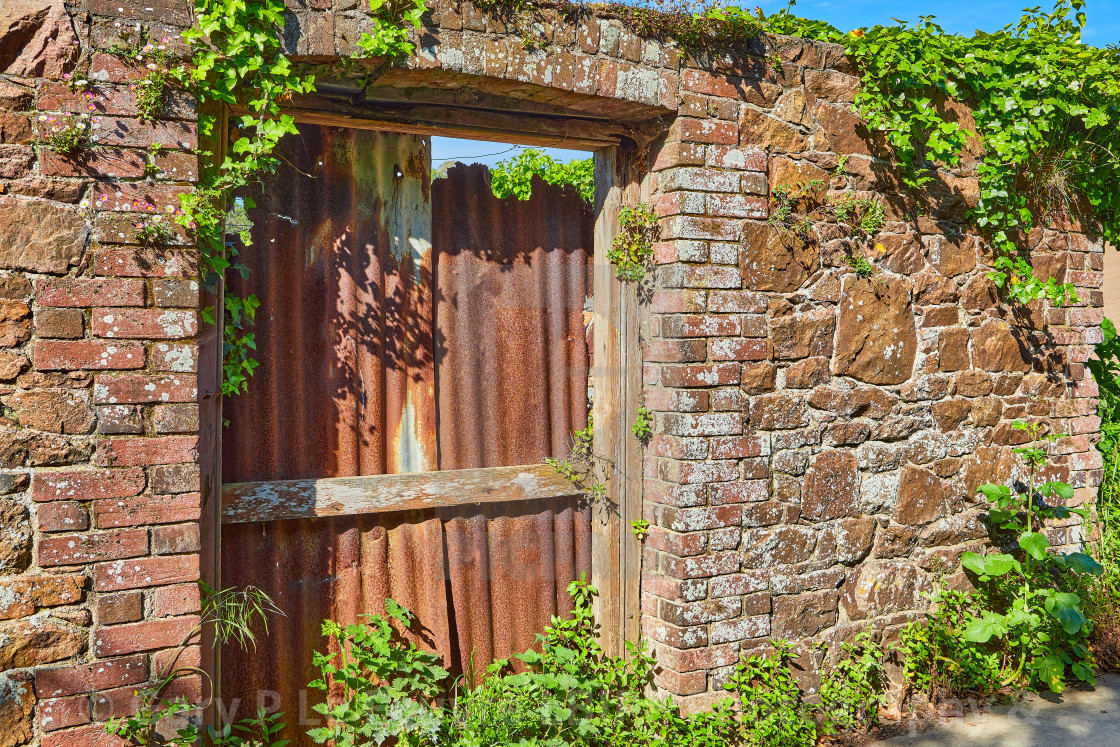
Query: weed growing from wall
x=632 y=249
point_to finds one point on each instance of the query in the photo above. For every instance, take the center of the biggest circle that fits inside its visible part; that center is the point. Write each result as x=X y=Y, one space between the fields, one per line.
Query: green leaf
x=1050 y=670
x=1066 y=608
x=985 y=628
x=1079 y=562
x=1035 y=544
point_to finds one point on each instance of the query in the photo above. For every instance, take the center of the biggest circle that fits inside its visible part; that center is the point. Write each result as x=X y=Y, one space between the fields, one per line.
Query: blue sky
x=1102 y=29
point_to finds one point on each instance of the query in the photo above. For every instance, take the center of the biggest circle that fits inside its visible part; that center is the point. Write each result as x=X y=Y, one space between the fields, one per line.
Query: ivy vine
x=1046 y=111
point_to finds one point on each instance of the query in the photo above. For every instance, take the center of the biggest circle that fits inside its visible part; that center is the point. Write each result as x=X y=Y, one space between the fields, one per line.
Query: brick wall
x=99 y=550
x=818 y=435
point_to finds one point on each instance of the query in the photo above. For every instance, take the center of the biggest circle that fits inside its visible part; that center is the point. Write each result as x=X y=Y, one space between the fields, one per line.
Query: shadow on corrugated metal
x=358 y=340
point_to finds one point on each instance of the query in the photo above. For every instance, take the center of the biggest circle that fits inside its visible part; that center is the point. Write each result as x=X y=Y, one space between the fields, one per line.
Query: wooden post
x=617 y=384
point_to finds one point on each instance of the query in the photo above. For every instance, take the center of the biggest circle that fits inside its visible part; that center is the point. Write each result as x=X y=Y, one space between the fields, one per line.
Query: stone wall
x=818 y=434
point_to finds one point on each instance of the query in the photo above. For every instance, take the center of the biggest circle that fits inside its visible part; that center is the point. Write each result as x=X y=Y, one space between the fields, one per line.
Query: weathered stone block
x=876 y=339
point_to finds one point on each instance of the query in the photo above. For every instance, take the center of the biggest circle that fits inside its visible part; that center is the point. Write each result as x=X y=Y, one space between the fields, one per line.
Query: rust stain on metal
x=512 y=280
x=369 y=350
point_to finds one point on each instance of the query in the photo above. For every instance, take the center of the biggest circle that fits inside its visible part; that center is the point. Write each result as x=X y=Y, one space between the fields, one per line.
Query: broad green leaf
x=985 y=628
x=1035 y=544
x=1065 y=607
x=1079 y=562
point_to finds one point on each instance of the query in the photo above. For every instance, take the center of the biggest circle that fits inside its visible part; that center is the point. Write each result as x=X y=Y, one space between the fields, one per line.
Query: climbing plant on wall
x=1047 y=122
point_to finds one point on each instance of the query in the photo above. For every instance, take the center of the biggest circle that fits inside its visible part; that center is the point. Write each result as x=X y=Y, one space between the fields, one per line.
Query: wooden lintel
x=477 y=124
x=371 y=494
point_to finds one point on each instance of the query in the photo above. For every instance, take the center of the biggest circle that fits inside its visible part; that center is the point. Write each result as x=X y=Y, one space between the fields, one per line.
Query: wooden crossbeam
x=371 y=494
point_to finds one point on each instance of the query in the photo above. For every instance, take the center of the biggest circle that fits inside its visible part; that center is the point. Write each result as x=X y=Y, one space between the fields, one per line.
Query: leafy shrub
x=771 y=702
x=386 y=688
x=936 y=658
x=852 y=691
x=570 y=693
x=1024 y=625
x=514 y=176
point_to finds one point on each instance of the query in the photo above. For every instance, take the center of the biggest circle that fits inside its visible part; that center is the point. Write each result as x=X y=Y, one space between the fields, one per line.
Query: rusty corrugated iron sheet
x=341 y=260
x=512 y=279
x=366 y=344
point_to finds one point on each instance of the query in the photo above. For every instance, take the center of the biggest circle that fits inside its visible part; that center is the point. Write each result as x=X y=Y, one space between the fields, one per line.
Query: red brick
x=105 y=99
x=681 y=544
x=699 y=325
x=738 y=584
x=742 y=301
x=143 y=510
x=743 y=159
x=677 y=447
x=75 y=355
x=76 y=549
x=679 y=683
x=700 y=276
x=697 y=659
x=125 y=607
x=677 y=400
x=145 y=262
x=174 y=540
x=698 y=472
x=172 y=601
x=114 y=68
x=145 y=572
x=705 y=424
x=738 y=447
x=738 y=206
x=738 y=350
x=84 y=678
x=144 y=388
x=64 y=712
x=86 y=484
x=131 y=452
x=747 y=491
x=698 y=519
x=136 y=133
x=676 y=351
x=82 y=292
x=680 y=301
x=142 y=636
x=162 y=661
x=700 y=81
x=148 y=324
x=117 y=703
x=704 y=566
x=95 y=162
x=175 y=356
x=84 y=736
x=707 y=131
x=63 y=516
x=700 y=375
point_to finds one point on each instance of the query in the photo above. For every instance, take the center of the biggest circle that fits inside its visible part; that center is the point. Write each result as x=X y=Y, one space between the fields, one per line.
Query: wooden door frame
x=616 y=378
